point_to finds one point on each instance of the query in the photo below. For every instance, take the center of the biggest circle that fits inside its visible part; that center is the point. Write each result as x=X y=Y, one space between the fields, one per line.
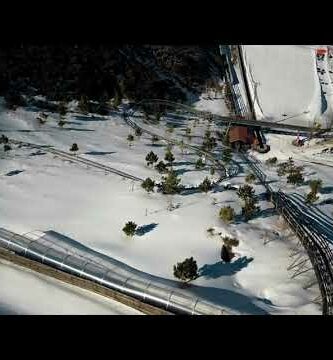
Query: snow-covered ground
x=317 y=165
x=84 y=203
x=286 y=84
x=26 y=292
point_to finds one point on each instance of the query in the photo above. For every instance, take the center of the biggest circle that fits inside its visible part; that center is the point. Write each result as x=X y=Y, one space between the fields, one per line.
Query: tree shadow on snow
x=326 y=202
x=100 y=152
x=89 y=118
x=144 y=229
x=214 y=271
x=74 y=129
x=326 y=190
x=14 y=172
x=182 y=171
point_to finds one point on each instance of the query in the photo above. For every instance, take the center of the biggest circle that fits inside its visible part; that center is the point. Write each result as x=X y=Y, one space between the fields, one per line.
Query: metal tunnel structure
x=60 y=252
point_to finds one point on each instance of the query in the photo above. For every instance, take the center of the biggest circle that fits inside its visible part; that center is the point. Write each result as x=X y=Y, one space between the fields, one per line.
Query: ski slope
x=286 y=85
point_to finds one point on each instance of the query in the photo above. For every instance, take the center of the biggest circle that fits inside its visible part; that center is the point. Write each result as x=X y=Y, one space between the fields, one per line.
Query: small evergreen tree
x=212 y=171
x=245 y=192
x=285 y=167
x=226 y=251
x=250 y=178
x=169 y=157
x=154 y=139
x=227 y=155
x=271 y=161
x=227 y=214
x=42 y=117
x=315 y=186
x=206 y=185
x=151 y=158
x=295 y=176
x=138 y=132
x=311 y=197
x=226 y=256
x=74 y=148
x=7 y=147
x=83 y=105
x=161 y=167
x=130 y=139
x=4 y=139
x=171 y=184
x=148 y=184
x=62 y=108
x=61 y=122
x=199 y=164
x=250 y=208
x=130 y=228
x=186 y=270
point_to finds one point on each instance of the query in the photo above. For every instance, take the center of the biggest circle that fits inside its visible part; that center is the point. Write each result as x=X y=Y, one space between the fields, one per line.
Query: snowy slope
x=26 y=292
x=91 y=207
x=285 y=84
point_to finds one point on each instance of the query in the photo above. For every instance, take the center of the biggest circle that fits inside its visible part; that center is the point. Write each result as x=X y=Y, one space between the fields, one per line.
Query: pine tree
x=138 y=132
x=250 y=208
x=186 y=270
x=83 y=105
x=206 y=185
x=130 y=139
x=171 y=184
x=199 y=164
x=227 y=214
x=62 y=108
x=61 y=122
x=169 y=157
x=151 y=158
x=74 y=148
x=271 y=161
x=226 y=251
x=315 y=186
x=245 y=192
x=154 y=139
x=130 y=228
x=4 y=139
x=148 y=184
x=250 y=178
x=295 y=176
x=286 y=167
x=7 y=147
x=227 y=155
x=161 y=167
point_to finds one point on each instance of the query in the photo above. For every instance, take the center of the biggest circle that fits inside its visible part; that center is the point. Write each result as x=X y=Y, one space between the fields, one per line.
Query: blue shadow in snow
x=100 y=152
x=214 y=271
x=14 y=172
x=144 y=229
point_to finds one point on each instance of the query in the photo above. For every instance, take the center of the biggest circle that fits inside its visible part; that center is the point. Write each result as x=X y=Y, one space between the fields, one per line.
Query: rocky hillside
x=102 y=72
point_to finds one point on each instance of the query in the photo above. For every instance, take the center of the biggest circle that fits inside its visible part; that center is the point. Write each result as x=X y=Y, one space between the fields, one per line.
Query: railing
x=319 y=252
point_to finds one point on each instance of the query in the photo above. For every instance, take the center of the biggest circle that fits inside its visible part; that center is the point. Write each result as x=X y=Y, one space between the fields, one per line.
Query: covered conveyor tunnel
x=60 y=252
